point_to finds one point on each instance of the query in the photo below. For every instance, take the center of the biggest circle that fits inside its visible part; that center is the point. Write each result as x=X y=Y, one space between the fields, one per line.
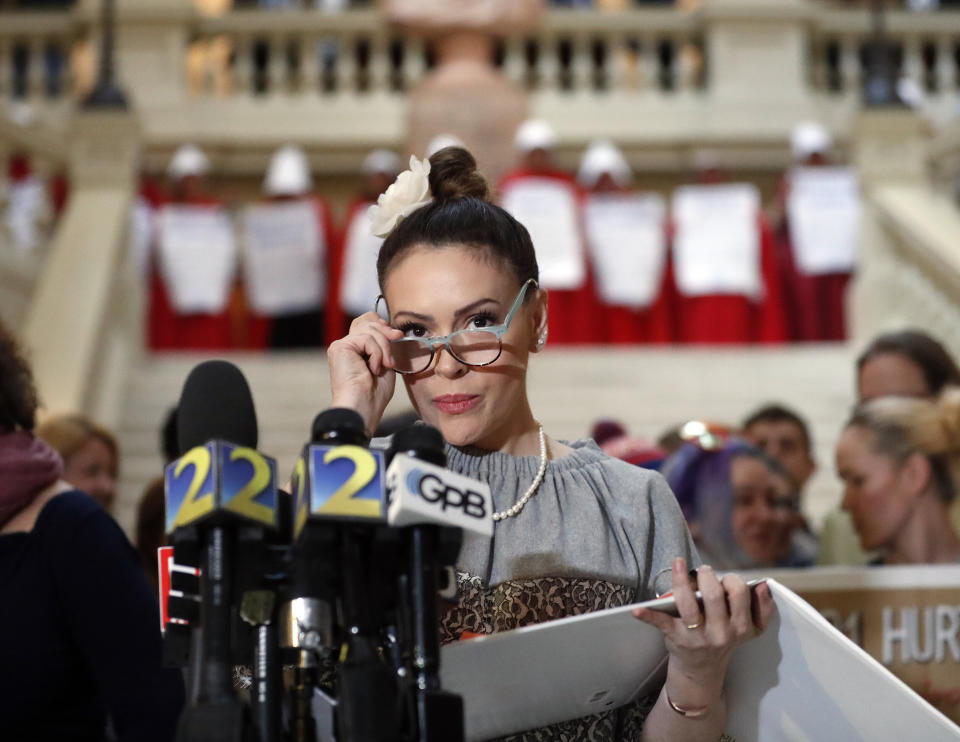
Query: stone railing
x=911 y=271
x=734 y=75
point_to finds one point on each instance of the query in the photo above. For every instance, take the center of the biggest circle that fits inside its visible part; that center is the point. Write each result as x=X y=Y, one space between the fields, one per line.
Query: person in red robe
x=166 y=328
x=380 y=168
x=728 y=318
x=287 y=180
x=815 y=304
x=574 y=315
x=604 y=174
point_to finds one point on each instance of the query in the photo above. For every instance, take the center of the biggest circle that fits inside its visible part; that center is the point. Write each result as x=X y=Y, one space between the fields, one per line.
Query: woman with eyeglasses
x=576 y=530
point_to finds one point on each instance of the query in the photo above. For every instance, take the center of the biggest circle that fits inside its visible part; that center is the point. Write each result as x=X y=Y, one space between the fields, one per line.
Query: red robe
x=729 y=319
x=168 y=330
x=574 y=315
x=815 y=305
x=627 y=325
x=304 y=329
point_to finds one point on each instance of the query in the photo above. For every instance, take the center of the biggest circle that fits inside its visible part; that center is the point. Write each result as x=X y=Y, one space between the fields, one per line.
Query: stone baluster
x=276 y=65
x=514 y=60
x=548 y=64
x=946 y=66
x=581 y=63
x=243 y=66
x=414 y=61
x=36 y=67
x=379 y=63
x=913 y=68
x=6 y=67
x=346 y=69
x=851 y=71
x=311 y=65
x=621 y=63
x=651 y=77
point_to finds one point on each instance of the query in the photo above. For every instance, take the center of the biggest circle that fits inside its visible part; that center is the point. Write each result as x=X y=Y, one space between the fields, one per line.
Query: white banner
x=142 y=235
x=716 y=247
x=823 y=212
x=198 y=257
x=359 y=287
x=26 y=206
x=283 y=257
x=548 y=209
x=628 y=246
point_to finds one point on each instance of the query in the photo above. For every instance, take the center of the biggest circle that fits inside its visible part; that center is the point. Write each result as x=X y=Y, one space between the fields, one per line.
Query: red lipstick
x=456 y=404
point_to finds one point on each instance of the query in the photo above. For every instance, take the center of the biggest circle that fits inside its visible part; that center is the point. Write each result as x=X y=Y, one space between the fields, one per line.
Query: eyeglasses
x=472 y=347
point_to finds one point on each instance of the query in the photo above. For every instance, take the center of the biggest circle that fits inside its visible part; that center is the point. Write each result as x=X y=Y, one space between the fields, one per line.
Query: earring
x=542 y=340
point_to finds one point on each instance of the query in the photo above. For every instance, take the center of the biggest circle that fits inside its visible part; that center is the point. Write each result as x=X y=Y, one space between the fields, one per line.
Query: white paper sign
x=628 y=247
x=26 y=201
x=548 y=209
x=198 y=257
x=283 y=257
x=716 y=248
x=359 y=287
x=823 y=211
x=142 y=233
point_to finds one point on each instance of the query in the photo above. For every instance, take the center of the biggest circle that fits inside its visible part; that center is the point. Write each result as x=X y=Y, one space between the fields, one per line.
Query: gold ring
x=693 y=626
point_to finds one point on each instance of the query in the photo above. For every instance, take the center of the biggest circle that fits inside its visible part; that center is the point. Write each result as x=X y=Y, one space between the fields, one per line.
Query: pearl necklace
x=532 y=489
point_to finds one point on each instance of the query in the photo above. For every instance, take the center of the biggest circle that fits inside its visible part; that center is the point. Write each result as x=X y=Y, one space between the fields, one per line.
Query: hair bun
x=454 y=175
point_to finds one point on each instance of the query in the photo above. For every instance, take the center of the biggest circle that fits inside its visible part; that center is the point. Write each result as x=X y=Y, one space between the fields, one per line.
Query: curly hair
x=18 y=395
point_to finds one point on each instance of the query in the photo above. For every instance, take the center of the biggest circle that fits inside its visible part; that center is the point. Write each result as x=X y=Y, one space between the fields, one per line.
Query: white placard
x=198 y=257
x=549 y=210
x=283 y=257
x=716 y=247
x=628 y=246
x=359 y=287
x=823 y=212
x=142 y=234
x=26 y=202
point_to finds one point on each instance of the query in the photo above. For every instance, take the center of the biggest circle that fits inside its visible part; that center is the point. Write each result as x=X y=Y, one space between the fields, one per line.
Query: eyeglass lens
x=473 y=347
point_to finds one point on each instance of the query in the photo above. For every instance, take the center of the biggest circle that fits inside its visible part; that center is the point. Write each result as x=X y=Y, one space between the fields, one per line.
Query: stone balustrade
x=733 y=75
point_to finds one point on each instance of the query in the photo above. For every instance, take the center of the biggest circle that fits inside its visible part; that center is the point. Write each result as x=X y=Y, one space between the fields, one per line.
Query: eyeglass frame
x=444 y=340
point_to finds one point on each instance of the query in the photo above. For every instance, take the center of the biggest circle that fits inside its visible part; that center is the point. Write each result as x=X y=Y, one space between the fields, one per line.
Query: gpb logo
x=434 y=490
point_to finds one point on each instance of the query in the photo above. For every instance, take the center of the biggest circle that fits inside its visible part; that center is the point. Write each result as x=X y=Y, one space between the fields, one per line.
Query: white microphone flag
x=823 y=213
x=549 y=210
x=628 y=246
x=424 y=493
x=198 y=257
x=359 y=287
x=283 y=257
x=716 y=247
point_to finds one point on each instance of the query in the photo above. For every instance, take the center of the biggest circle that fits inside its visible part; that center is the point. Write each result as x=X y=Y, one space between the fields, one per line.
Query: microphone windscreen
x=421 y=440
x=216 y=403
x=339 y=421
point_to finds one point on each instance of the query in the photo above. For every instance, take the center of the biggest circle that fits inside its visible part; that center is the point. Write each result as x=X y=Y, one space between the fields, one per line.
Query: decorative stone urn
x=465 y=95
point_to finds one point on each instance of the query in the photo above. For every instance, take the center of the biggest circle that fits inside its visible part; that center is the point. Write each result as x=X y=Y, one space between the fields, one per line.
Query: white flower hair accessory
x=409 y=192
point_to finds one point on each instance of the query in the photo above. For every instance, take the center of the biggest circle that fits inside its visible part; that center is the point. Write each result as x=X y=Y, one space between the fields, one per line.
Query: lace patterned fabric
x=516 y=603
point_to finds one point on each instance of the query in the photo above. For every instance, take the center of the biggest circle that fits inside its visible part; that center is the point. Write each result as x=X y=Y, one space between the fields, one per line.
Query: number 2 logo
x=360 y=495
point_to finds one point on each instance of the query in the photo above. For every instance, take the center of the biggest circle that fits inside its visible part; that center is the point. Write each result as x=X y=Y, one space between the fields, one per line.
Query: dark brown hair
x=18 y=396
x=777 y=413
x=461 y=214
x=938 y=368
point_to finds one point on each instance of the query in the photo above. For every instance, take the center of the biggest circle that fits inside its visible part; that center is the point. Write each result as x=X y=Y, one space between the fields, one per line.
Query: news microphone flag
x=422 y=493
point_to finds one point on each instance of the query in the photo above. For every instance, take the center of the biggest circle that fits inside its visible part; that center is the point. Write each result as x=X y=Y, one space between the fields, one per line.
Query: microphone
x=339 y=532
x=432 y=505
x=220 y=491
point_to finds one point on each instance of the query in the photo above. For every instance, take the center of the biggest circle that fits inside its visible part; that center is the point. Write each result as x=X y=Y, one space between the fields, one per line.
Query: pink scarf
x=27 y=466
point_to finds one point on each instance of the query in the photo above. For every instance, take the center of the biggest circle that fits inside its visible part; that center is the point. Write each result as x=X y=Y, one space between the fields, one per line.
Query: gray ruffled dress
x=594 y=536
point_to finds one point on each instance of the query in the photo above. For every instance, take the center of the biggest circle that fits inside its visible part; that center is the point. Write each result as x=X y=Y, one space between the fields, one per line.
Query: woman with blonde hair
x=899 y=459
x=89 y=453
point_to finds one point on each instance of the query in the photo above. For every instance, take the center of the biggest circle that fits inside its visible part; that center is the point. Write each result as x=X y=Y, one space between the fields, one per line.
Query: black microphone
x=220 y=491
x=432 y=505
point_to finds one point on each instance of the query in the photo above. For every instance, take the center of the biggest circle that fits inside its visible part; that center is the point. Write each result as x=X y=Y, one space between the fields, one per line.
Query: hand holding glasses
x=480 y=347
